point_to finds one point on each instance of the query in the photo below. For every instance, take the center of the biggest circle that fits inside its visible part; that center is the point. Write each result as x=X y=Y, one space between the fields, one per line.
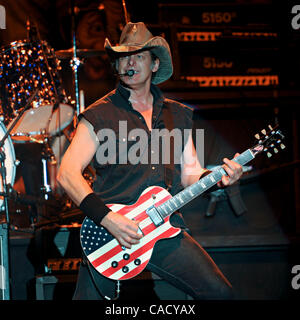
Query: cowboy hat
x=136 y=37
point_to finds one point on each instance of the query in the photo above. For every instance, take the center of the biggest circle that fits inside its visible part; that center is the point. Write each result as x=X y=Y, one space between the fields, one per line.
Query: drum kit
x=35 y=111
x=34 y=108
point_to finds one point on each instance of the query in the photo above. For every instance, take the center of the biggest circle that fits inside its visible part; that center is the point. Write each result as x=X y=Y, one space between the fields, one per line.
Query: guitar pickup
x=155 y=216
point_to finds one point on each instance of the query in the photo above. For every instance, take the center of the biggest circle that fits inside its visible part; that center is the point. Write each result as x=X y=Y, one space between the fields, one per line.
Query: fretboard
x=199 y=187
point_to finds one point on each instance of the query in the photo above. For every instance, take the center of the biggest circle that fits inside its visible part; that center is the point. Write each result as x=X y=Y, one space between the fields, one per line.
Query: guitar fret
x=207 y=181
x=176 y=201
x=190 y=192
x=223 y=172
x=162 y=209
x=219 y=173
x=184 y=195
x=172 y=201
x=180 y=198
x=168 y=205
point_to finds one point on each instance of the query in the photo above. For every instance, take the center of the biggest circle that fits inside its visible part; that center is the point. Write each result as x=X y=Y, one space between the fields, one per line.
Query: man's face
x=141 y=63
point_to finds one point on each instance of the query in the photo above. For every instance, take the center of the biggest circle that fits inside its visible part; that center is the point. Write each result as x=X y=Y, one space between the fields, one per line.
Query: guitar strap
x=169 y=167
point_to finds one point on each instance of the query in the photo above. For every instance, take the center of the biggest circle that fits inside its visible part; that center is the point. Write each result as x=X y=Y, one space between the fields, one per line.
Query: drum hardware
x=46 y=188
x=32 y=30
x=5 y=185
x=82 y=104
x=5 y=138
x=75 y=62
x=74 y=215
x=33 y=34
x=75 y=55
x=48 y=152
x=47 y=156
x=125 y=11
x=80 y=53
x=20 y=198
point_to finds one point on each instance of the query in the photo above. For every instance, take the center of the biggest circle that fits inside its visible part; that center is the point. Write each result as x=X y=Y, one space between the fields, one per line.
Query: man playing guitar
x=142 y=61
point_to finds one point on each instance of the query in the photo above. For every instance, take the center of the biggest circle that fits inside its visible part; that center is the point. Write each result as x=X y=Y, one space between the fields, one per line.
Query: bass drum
x=10 y=165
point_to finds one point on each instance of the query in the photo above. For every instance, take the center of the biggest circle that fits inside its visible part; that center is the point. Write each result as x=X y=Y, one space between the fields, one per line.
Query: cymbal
x=80 y=53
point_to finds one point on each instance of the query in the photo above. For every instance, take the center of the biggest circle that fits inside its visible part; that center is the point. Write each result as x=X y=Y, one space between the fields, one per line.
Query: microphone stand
x=47 y=152
x=5 y=195
x=75 y=62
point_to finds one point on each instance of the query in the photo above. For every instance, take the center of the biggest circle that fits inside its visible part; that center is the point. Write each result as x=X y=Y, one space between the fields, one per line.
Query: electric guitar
x=153 y=209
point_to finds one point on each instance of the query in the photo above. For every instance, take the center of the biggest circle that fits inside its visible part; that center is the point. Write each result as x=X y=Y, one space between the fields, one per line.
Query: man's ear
x=155 y=65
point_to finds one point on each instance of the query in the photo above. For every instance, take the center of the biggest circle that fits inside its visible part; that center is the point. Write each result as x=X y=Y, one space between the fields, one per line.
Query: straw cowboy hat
x=136 y=37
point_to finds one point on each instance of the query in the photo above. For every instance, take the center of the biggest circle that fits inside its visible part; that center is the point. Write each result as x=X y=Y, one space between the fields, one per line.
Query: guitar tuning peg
x=282 y=146
x=275 y=150
x=263 y=131
x=257 y=136
x=269 y=154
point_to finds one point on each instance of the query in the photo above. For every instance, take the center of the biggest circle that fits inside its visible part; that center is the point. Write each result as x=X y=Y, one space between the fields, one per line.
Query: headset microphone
x=128 y=73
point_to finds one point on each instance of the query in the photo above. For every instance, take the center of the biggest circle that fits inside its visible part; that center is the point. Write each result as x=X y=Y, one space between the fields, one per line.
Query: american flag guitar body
x=153 y=210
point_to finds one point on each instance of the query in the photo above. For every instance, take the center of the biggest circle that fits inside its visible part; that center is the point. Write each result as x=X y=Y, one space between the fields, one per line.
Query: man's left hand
x=234 y=172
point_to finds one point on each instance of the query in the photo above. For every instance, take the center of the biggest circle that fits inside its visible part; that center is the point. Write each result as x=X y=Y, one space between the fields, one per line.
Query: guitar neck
x=199 y=187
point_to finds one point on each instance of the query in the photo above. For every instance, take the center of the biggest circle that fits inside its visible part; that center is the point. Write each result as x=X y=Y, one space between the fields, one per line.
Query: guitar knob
x=125 y=269
x=126 y=256
x=137 y=262
x=114 y=264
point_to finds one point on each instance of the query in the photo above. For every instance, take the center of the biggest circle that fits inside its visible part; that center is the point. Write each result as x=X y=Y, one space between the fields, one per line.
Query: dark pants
x=180 y=260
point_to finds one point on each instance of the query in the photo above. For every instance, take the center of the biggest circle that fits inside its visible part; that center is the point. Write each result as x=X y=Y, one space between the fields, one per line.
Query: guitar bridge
x=155 y=216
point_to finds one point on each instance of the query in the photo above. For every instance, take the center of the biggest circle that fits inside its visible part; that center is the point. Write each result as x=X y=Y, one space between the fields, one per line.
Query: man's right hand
x=122 y=228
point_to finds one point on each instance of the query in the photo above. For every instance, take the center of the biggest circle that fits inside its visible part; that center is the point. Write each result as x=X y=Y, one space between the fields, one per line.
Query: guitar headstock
x=269 y=141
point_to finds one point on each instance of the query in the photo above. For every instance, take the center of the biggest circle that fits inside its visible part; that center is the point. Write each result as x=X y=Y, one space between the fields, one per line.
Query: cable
x=118 y=284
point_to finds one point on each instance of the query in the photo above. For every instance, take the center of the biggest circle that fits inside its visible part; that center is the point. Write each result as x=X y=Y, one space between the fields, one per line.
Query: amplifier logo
x=2 y=278
x=296 y=19
x=2 y=18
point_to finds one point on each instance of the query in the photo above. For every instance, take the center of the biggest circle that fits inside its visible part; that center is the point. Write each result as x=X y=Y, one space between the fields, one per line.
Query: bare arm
x=76 y=158
x=191 y=170
x=79 y=154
